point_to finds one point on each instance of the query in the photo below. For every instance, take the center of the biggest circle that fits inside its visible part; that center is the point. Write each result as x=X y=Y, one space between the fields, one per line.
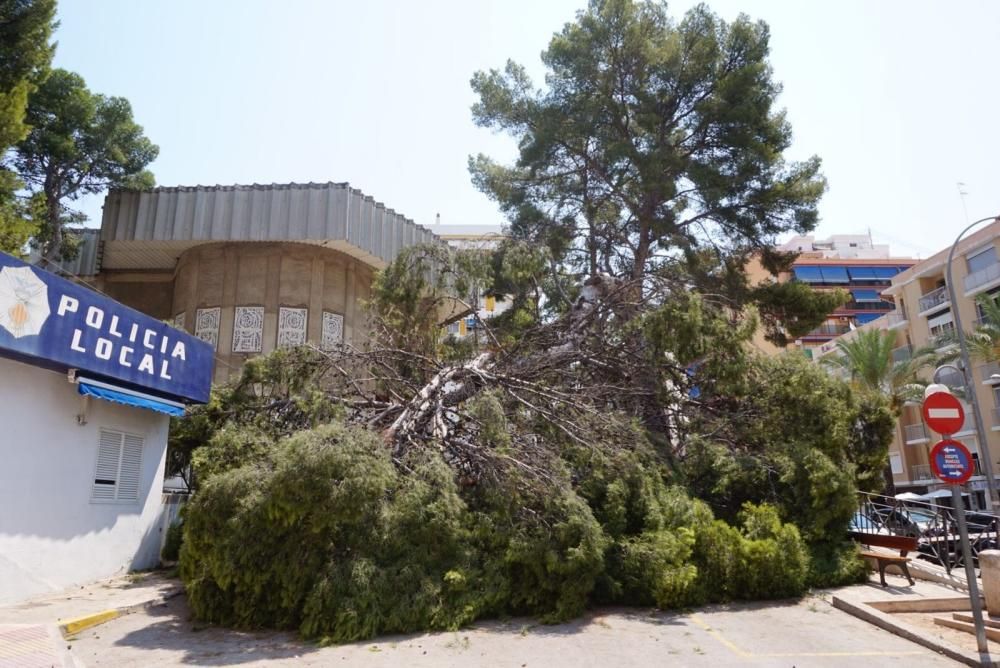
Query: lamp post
x=983 y=447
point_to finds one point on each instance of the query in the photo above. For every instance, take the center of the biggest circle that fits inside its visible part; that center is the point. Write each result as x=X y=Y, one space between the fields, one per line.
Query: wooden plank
x=992 y=634
x=961 y=617
x=881 y=540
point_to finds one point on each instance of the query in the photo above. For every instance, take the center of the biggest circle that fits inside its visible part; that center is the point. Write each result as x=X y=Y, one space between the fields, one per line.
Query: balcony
x=829 y=331
x=995 y=411
x=968 y=427
x=982 y=279
x=933 y=299
x=915 y=433
x=896 y=319
x=902 y=354
x=921 y=472
x=987 y=371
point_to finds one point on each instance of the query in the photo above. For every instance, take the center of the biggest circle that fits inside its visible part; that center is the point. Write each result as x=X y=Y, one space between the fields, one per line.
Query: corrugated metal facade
x=169 y=220
x=87 y=260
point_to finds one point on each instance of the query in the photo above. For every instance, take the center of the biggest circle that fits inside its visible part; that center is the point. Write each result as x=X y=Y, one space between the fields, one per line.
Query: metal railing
x=933 y=526
x=921 y=472
x=933 y=298
x=902 y=353
x=830 y=330
x=988 y=370
x=982 y=277
x=996 y=415
x=915 y=433
x=895 y=318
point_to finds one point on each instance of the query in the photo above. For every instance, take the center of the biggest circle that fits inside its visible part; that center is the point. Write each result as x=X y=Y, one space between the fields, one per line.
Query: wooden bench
x=902 y=543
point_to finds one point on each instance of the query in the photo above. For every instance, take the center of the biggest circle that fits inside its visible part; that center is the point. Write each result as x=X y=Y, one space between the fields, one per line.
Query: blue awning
x=128 y=398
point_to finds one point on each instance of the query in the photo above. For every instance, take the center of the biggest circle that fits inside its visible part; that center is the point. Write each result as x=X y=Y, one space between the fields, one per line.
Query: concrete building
x=922 y=313
x=86 y=387
x=481 y=237
x=250 y=268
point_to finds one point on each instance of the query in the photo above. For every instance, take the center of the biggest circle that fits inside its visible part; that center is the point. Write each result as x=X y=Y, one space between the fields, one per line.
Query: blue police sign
x=49 y=321
x=951 y=462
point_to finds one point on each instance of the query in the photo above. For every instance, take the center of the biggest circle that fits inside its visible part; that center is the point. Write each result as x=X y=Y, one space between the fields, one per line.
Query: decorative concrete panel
x=292 y=326
x=248 y=329
x=206 y=325
x=333 y=330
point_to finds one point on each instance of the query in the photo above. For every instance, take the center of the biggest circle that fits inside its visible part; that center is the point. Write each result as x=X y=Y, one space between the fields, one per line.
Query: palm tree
x=867 y=361
x=984 y=340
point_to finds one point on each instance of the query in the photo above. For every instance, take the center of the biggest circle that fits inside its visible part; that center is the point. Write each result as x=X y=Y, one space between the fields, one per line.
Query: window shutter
x=119 y=467
x=108 y=457
x=128 y=482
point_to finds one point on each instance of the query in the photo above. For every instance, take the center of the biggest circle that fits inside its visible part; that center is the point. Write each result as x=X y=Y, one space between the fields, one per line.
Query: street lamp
x=982 y=445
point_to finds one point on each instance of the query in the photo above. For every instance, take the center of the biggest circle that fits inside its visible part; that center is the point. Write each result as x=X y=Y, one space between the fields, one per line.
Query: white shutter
x=108 y=458
x=119 y=467
x=128 y=482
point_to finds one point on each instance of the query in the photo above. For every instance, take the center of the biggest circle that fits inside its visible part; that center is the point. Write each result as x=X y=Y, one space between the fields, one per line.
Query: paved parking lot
x=802 y=633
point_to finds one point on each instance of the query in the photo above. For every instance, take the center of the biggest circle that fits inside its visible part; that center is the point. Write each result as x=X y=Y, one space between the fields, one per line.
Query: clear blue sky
x=899 y=98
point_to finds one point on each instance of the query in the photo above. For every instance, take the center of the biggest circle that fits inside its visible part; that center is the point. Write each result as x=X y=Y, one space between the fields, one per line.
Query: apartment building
x=923 y=313
x=847 y=262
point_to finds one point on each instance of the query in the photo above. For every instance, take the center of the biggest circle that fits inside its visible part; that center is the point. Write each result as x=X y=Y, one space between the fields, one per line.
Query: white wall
x=51 y=535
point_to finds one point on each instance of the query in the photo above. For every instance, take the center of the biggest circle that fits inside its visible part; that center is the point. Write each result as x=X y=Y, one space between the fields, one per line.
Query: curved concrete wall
x=271 y=276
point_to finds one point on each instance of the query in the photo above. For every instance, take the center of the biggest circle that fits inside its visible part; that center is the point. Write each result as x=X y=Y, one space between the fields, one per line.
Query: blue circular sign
x=951 y=462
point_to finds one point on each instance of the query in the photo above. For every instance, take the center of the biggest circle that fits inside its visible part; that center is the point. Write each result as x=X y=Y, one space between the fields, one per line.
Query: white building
x=86 y=387
x=482 y=237
x=842 y=246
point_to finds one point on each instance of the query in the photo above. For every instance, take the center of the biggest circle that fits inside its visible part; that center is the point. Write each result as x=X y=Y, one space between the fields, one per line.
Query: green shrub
x=767 y=559
x=836 y=564
x=172 y=543
x=323 y=532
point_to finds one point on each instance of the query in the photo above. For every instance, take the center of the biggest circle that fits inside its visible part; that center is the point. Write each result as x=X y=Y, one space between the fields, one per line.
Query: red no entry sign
x=951 y=462
x=943 y=413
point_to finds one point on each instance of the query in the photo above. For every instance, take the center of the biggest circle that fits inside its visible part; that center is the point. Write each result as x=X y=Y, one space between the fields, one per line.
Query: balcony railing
x=933 y=298
x=895 y=318
x=988 y=370
x=969 y=426
x=915 y=433
x=982 y=277
x=901 y=354
x=830 y=330
x=920 y=472
x=996 y=415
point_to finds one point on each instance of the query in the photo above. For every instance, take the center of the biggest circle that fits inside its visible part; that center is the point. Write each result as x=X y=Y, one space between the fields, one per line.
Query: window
x=809 y=274
x=248 y=329
x=982 y=259
x=866 y=295
x=119 y=466
x=825 y=274
x=834 y=274
x=941 y=324
x=896 y=462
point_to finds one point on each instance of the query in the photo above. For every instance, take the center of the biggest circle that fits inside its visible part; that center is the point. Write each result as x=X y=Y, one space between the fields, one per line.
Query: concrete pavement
x=809 y=632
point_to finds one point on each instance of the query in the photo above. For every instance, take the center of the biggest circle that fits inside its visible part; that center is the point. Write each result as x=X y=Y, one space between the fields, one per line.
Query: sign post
x=952 y=463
